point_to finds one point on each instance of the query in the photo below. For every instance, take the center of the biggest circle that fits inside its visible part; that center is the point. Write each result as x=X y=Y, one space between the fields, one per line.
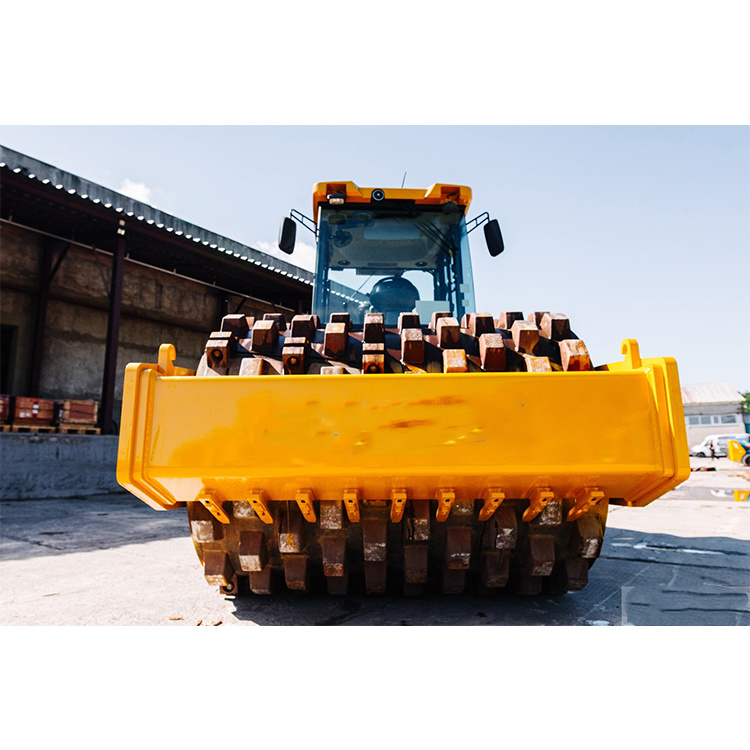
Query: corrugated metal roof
x=710 y=393
x=122 y=204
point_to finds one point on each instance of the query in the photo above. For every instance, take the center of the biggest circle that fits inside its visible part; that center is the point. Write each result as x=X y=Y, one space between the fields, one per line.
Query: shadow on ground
x=640 y=579
x=50 y=527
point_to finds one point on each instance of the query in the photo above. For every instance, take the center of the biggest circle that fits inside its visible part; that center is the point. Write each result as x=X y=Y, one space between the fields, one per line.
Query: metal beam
x=113 y=333
x=158 y=228
x=304 y=301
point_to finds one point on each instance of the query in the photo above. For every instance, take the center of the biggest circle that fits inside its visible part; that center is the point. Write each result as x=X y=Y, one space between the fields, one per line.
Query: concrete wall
x=19 y=309
x=157 y=308
x=20 y=258
x=48 y=465
x=696 y=433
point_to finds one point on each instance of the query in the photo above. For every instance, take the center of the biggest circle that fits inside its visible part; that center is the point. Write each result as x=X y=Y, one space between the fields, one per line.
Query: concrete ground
x=111 y=560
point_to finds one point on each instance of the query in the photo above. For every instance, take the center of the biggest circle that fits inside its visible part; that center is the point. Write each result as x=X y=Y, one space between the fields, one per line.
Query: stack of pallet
x=27 y=414
x=78 y=417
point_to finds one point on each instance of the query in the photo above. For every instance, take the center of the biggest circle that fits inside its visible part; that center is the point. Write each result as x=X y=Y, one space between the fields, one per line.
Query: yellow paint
x=213 y=501
x=398 y=504
x=618 y=429
x=735 y=451
x=538 y=499
x=436 y=194
x=305 y=499
x=492 y=499
x=260 y=506
x=445 y=499
x=351 y=503
x=585 y=499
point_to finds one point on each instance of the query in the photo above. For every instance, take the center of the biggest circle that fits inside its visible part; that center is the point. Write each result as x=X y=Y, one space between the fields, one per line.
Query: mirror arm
x=477 y=221
x=300 y=218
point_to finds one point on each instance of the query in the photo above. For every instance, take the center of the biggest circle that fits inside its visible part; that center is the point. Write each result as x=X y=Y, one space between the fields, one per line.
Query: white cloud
x=303 y=255
x=135 y=190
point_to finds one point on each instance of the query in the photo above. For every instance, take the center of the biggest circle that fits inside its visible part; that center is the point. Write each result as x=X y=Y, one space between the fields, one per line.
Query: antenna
x=404 y=180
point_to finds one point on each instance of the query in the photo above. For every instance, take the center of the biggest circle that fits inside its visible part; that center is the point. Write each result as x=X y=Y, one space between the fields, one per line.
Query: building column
x=48 y=268
x=113 y=333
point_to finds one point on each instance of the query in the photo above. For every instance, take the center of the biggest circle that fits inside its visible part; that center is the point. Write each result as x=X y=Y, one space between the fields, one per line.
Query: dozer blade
x=620 y=431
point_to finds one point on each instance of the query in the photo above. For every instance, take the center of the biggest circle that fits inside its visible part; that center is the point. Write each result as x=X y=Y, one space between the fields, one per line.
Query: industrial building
x=712 y=409
x=91 y=279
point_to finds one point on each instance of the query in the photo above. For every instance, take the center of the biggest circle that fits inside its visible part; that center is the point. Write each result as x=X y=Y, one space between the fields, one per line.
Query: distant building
x=711 y=409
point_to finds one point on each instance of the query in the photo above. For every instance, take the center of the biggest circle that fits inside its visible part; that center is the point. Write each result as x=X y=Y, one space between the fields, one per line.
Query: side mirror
x=493 y=237
x=287 y=235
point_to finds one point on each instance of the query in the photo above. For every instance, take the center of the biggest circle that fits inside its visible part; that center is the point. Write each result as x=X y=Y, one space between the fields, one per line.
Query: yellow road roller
x=394 y=439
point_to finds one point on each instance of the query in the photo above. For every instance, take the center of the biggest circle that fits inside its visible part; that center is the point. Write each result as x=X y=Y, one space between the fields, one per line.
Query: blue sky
x=633 y=232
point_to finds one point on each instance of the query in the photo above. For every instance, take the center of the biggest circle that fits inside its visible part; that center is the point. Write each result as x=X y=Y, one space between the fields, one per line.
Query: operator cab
x=390 y=251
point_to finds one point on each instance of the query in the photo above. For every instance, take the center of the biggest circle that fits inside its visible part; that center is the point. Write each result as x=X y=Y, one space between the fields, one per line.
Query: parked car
x=703 y=449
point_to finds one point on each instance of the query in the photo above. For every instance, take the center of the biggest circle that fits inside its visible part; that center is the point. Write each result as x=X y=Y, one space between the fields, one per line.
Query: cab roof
x=436 y=194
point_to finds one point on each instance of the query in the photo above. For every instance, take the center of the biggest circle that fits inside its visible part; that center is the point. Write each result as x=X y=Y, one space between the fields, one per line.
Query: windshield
x=391 y=261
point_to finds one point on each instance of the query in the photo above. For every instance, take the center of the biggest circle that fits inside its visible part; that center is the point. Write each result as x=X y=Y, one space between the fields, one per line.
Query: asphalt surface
x=111 y=560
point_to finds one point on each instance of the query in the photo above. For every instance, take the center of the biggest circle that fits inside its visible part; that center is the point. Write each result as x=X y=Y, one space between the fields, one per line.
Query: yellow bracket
x=212 y=500
x=586 y=498
x=492 y=499
x=741 y=495
x=166 y=360
x=398 y=504
x=445 y=499
x=351 y=503
x=538 y=499
x=632 y=352
x=305 y=500
x=259 y=504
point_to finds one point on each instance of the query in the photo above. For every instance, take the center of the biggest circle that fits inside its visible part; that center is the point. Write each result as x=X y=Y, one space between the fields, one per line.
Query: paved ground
x=111 y=560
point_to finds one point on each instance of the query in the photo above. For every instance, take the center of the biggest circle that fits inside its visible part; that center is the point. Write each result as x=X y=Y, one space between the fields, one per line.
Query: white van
x=703 y=449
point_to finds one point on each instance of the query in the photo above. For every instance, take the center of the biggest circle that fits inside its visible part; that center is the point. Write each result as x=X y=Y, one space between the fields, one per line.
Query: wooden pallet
x=70 y=412
x=78 y=429
x=34 y=428
x=4 y=428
